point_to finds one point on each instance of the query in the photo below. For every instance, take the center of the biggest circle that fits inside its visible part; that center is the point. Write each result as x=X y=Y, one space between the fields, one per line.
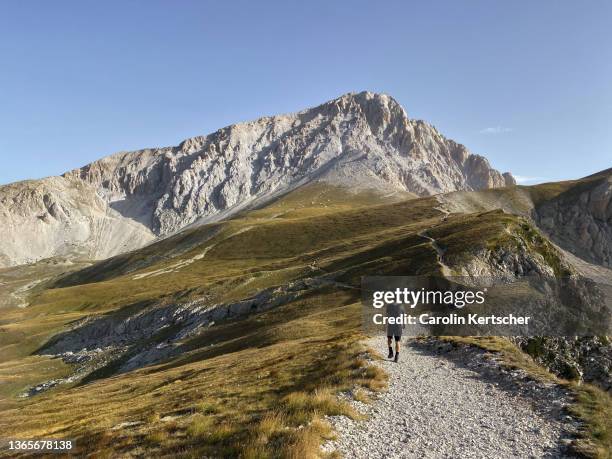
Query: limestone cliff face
x=62 y=217
x=580 y=220
x=122 y=201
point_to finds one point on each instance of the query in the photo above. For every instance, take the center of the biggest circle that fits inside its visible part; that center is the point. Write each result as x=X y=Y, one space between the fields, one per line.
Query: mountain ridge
x=359 y=140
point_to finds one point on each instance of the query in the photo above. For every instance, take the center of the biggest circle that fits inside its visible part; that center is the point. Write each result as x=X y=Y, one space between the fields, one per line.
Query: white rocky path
x=447 y=402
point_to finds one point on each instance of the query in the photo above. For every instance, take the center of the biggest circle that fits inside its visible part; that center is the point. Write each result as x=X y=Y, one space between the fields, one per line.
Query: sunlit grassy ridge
x=554 y=190
x=521 y=200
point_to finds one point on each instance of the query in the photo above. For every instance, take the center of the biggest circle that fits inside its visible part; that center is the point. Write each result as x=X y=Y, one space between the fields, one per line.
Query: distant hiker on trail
x=394 y=331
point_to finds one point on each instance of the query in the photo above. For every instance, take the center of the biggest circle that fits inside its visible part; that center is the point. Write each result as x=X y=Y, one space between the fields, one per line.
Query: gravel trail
x=445 y=270
x=450 y=402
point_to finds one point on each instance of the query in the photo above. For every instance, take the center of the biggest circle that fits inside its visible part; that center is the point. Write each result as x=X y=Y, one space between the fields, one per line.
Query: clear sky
x=526 y=83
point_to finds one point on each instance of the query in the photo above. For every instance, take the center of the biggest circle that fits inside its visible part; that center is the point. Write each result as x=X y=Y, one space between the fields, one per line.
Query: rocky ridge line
x=124 y=201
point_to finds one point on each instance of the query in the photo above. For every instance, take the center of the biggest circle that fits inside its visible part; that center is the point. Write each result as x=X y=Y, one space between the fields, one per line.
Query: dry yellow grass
x=259 y=392
x=362 y=396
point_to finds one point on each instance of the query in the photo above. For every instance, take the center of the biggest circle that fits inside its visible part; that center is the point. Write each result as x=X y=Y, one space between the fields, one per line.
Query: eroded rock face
x=582 y=358
x=585 y=358
x=140 y=339
x=360 y=140
x=62 y=217
x=581 y=221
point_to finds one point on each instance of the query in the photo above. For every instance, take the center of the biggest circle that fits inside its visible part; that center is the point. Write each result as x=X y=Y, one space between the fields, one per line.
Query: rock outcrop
x=580 y=220
x=363 y=141
x=60 y=216
x=584 y=358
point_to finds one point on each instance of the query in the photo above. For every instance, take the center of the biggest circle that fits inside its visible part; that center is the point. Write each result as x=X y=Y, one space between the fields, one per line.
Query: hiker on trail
x=394 y=331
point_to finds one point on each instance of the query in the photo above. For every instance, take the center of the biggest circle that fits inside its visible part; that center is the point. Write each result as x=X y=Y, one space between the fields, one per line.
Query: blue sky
x=527 y=84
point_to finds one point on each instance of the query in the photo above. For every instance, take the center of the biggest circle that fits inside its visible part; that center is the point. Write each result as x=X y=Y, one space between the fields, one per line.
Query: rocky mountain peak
x=359 y=140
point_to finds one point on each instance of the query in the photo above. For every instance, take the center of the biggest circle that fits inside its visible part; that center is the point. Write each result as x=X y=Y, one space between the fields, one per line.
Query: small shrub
x=207 y=408
x=200 y=426
x=301 y=405
x=270 y=424
x=362 y=396
x=221 y=434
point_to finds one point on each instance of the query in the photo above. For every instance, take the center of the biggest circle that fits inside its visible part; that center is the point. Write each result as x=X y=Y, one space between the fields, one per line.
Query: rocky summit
x=124 y=201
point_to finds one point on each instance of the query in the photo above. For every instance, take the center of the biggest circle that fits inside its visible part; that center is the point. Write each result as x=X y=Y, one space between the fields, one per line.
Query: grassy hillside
x=255 y=387
x=553 y=190
x=242 y=385
x=520 y=200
